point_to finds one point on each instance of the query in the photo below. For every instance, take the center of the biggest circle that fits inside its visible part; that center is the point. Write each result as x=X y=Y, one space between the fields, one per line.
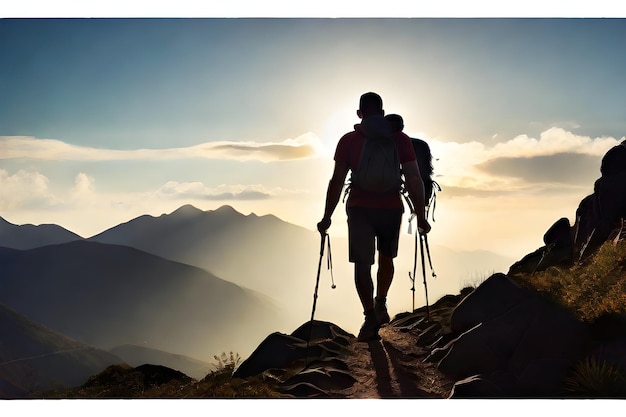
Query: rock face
x=599 y=217
x=312 y=369
x=511 y=343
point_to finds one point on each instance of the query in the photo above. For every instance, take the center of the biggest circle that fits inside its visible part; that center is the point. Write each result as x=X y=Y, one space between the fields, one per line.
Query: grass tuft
x=593 y=379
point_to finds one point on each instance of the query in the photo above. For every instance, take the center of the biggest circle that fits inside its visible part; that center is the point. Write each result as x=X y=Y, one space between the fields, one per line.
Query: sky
x=103 y=120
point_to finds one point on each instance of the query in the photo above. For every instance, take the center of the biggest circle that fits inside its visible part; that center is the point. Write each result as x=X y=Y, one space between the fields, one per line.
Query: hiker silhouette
x=374 y=218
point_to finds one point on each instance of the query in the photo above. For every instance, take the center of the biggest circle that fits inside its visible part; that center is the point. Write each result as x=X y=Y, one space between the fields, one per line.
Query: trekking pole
x=422 y=238
x=430 y=262
x=317 y=281
x=330 y=265
x=412 y=277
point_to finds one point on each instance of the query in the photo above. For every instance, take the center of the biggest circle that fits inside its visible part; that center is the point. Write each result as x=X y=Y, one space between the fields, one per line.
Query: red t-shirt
x=349 y=150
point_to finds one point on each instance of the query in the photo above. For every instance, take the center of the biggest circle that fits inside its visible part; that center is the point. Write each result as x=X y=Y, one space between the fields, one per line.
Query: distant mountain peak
x=186 y=210
x=226 y=209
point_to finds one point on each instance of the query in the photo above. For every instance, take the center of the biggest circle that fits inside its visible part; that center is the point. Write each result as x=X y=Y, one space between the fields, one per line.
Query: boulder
x=322 y=330
x=491 y=298
x=558 y=250
x=472 y=354
x=489 y=346
x=277 y=350
x=515 y=333
x=610 y=203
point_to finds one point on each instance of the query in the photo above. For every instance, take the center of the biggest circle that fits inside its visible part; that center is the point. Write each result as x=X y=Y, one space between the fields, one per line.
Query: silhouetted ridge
x=29 y=236
x=262 y=253
x=107 y=295
x=226 y=213
x=226 y=209
x=187 y=211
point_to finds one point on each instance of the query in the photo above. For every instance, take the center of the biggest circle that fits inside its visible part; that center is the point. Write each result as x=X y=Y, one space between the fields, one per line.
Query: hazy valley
x=182 y=287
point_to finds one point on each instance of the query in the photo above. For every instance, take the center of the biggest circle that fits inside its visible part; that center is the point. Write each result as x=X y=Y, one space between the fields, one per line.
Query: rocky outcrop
x=512 y=343
x=599 y=217
x=312 y=370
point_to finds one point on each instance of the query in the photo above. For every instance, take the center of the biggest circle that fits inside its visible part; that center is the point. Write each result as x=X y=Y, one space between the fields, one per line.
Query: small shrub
x=474 y=280
x=226 y=362
x=591 y=379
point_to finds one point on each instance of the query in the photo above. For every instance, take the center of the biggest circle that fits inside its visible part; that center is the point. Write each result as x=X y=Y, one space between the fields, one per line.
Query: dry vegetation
x=591 y=289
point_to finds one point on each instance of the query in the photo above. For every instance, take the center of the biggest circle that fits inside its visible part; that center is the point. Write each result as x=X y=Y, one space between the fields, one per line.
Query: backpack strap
x=432 y=202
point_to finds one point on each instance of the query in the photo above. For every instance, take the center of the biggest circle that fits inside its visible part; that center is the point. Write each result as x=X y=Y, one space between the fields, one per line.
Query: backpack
x=378 y=170
x=425 y=164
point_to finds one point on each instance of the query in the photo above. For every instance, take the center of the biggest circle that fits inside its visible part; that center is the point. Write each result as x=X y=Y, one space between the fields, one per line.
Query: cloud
x=520 y=164
x=552 y=141
x=25 y=189
x=197 y=190
x=83 y=184
x=83 y=193
x=565 y=168
x=305 y=146
x=454 y=191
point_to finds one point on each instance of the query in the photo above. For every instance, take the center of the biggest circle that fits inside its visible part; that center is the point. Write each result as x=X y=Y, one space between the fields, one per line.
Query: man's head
x=370 y=104
x=396 y=122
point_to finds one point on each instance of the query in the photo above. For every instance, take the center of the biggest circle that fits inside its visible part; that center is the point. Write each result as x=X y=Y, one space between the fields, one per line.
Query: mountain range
x=262 y=253
x=182 y=287
x=109 y=295
x=280 y=260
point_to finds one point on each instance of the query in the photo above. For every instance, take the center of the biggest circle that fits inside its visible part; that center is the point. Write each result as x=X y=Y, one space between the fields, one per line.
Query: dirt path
x=393 y=367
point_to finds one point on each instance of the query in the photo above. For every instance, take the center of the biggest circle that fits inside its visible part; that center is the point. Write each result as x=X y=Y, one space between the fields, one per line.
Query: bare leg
x=364 y=285
x=365 y=289
x=384 y=276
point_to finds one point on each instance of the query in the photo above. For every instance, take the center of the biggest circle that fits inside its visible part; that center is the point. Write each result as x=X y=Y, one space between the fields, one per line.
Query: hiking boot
x=380 y=310
x=369 y=329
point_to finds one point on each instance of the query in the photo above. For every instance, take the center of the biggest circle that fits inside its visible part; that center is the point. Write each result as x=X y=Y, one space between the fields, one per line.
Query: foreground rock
x=312 y=369
x=512 y=343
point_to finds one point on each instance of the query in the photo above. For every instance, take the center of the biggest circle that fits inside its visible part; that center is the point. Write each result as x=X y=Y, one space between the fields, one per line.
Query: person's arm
x=415 y=188
x=333 y=194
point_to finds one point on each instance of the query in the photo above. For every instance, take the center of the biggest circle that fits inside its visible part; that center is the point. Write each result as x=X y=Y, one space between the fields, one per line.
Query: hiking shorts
x=370 y=229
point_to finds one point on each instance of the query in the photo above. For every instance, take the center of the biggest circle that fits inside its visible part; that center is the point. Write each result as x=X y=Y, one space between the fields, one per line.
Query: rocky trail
x=335 y=365
x=394 y=367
